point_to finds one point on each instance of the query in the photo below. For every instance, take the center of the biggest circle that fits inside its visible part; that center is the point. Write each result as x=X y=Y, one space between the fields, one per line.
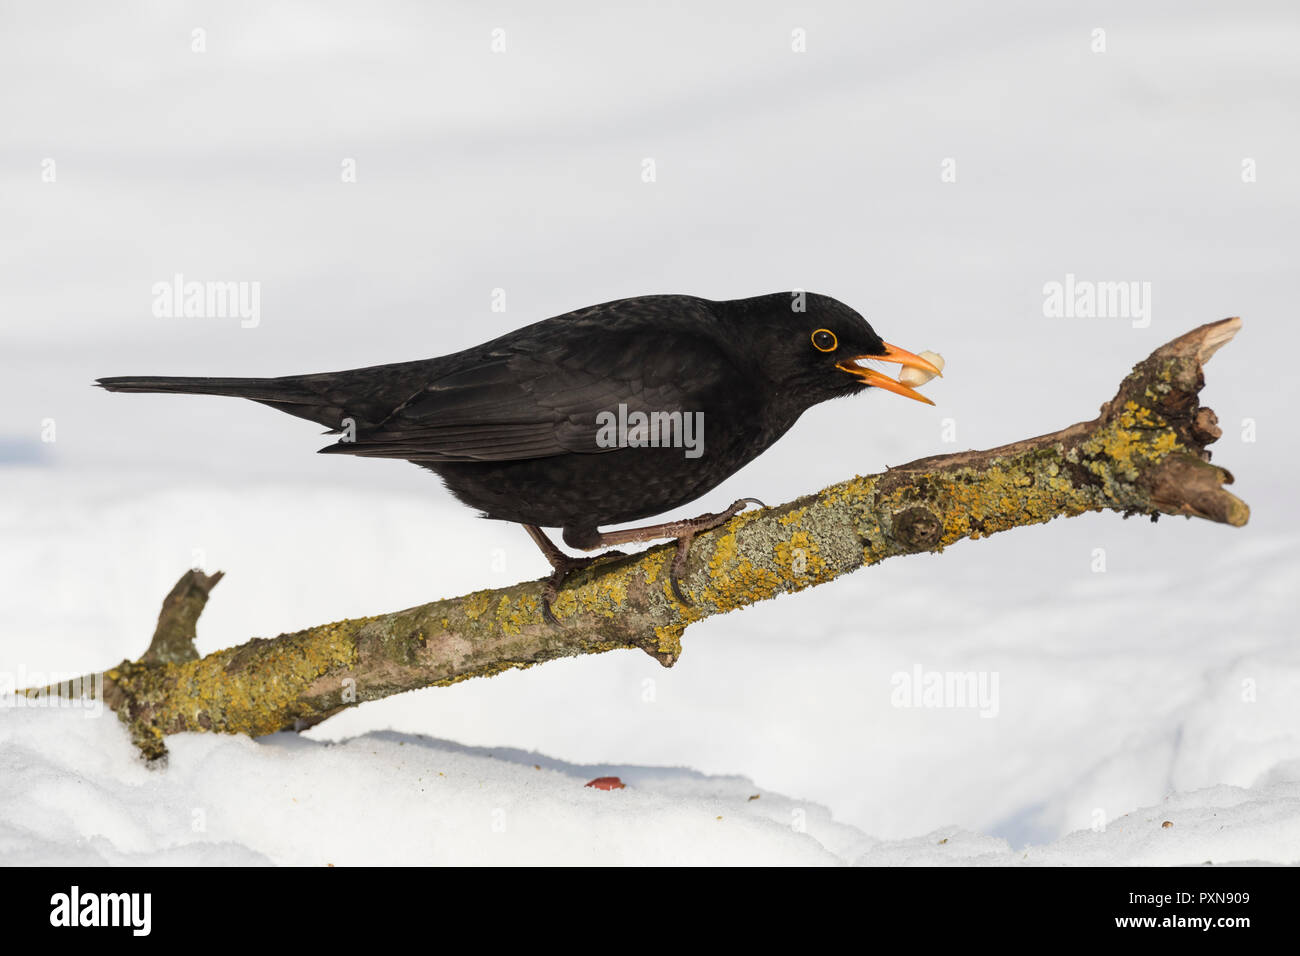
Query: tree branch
x=173 y=638
x=1145 y=453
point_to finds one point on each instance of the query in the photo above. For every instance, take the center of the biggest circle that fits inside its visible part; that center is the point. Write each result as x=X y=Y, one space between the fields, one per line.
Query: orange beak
x=879 y=380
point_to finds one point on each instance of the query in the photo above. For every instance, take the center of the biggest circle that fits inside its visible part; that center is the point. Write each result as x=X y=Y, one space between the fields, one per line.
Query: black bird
x=608 y=414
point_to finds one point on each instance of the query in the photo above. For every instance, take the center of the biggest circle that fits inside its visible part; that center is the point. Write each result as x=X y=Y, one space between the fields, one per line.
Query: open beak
x=879 y=380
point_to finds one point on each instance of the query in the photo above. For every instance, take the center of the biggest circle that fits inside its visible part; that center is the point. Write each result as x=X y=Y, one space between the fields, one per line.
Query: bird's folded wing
x=518 y=404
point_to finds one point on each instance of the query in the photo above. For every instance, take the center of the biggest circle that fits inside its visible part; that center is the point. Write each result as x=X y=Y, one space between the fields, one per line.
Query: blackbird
x=604 y=415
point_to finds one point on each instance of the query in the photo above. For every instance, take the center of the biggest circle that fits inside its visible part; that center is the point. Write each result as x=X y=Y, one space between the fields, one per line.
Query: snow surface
x=74 y=795
x=1165 y=687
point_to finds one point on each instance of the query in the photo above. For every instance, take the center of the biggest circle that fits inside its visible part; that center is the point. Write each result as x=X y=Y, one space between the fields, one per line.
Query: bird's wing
x=541 y=400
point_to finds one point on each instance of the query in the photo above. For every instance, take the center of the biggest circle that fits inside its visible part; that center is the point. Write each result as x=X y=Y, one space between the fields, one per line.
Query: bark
x=1144 y=454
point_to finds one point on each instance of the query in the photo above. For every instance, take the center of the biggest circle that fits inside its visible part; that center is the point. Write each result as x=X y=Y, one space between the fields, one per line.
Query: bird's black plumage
x=511 y=425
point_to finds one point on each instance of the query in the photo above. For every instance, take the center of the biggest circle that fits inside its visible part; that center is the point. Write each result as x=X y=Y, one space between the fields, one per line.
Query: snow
x=425 y=800
x=73 y=794
x=1144 y=673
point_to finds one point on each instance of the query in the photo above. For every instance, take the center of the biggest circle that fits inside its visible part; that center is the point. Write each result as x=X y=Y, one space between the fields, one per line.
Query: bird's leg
x=562 y=565
x=684 y=531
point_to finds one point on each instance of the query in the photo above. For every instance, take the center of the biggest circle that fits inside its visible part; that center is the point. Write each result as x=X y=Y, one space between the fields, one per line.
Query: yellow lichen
x=256 y=698
x=792 y=517
x=475 y=605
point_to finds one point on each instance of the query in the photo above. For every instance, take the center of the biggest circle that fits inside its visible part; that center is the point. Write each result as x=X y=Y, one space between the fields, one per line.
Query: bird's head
x=817 y=347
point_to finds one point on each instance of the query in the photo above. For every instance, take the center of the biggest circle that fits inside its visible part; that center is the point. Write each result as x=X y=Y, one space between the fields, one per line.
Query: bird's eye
x=824 y=340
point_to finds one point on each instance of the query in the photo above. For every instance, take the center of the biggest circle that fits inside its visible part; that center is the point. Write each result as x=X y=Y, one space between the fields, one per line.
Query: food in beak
x=915 y=377
x=904 y=358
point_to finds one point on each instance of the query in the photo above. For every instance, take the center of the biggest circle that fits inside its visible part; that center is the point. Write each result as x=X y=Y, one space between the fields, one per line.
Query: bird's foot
x=684 y=531
x=690 y=528
x=564 y=566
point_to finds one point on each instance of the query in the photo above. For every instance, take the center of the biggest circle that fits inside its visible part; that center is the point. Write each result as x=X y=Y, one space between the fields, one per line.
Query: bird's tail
x=295 y=395
x=254 y=388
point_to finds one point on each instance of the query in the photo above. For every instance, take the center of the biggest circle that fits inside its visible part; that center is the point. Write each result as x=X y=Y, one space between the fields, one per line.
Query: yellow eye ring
x=824 y=340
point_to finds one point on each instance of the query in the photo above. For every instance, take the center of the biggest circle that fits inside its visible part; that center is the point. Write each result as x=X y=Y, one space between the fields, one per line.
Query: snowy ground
x=1144 y=673
x=73 y=795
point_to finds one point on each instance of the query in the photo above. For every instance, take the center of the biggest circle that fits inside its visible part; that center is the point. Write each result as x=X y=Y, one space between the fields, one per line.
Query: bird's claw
x=564 y=564
x=708 y=523
x=553 y=584
x=677 y=590
x=549 y=595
